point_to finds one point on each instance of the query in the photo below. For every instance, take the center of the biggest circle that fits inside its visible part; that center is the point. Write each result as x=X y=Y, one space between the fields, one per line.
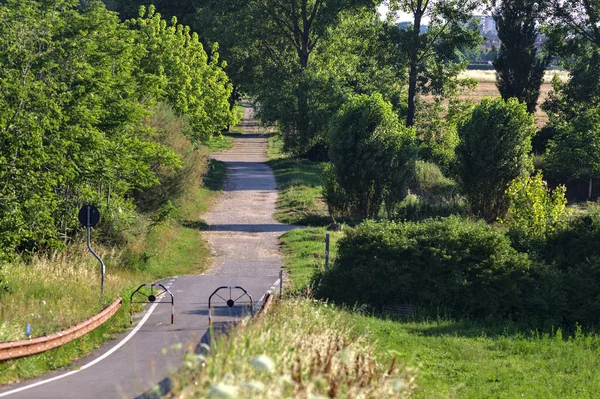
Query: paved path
x=243 y=238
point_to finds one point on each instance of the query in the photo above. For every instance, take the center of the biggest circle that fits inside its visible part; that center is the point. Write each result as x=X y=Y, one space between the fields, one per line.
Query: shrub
x=534 y=211
x=451 y=265
x=372 y=152
x=494 y=149
x=430 y=182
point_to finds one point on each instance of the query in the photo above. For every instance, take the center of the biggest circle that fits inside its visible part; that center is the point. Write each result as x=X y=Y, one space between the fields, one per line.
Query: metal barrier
x=26 y=347
x=230 y=302
x=151 y=298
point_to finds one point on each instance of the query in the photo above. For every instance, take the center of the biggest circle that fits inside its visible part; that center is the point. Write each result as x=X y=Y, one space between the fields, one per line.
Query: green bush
x=494 y=149
x=339 y=201
x=534 y=210
x=448 y=265
x=574 y=253
x=462 y=268
x=373 y=154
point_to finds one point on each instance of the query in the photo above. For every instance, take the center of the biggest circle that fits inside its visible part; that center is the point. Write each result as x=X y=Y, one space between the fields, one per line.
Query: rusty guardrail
x=26 y=347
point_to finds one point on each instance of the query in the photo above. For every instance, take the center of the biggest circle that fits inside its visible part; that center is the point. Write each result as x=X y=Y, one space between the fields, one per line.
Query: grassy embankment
x=53 y=292
x=299 y=183
x=448 y=358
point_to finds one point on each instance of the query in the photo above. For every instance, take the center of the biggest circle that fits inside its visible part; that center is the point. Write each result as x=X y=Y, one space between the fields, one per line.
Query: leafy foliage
x=575 y=150
x=469 y=269
x=196 y=85
x=76 y=90
x=465 y=268
x=494 y=149
x=372 y=153
x=534 y=211
x=429 y=57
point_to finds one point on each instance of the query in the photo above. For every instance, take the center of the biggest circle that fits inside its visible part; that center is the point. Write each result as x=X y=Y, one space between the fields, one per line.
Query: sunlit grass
x=304 y=251
x=300 y=349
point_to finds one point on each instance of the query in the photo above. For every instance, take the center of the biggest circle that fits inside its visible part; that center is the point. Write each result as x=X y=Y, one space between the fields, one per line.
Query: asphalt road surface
x=243 y=239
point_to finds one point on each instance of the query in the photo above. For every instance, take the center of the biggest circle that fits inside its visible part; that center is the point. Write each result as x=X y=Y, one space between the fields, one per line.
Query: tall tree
x=271 y=58
x=431 y=52
x=574 y=153
x=519 y=68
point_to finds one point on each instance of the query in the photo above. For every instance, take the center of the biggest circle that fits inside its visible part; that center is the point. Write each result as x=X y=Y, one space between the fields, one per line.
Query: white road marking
x=90 y=364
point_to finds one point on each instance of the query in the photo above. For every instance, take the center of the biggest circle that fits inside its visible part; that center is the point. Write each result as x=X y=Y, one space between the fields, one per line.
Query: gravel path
x=242 y=232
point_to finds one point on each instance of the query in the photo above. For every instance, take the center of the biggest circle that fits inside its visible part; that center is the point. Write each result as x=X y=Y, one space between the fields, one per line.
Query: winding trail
x=244 y=241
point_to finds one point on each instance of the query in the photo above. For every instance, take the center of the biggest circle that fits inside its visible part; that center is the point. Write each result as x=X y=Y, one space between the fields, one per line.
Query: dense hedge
x=462 y=268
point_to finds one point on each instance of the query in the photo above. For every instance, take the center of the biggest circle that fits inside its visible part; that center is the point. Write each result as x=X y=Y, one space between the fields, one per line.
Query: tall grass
x=300 y=349
x=305 y=255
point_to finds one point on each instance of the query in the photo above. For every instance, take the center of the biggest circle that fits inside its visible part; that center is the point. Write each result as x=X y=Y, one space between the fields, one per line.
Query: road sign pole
x=89 y=228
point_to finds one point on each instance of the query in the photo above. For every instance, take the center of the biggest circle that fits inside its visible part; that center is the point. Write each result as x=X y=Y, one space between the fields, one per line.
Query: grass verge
x=462 y=358
x=54 y=293
x=304 y=251
x=300 y=349
x=299 y=183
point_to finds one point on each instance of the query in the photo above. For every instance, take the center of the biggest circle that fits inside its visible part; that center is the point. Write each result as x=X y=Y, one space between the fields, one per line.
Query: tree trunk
x=414 y=60
x=590 y=189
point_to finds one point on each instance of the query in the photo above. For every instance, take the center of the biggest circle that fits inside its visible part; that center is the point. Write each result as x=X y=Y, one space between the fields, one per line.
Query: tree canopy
x=76 y=88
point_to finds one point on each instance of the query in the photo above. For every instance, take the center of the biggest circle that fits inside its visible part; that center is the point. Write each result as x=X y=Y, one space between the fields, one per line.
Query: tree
x=271 y=59
x=494 y=149
x=197 y=85
x=430 y=53
x=519 y=69
x=70 y=110
x=574 y=36
x=76 y=87
x=372 y=153
x=575 y=151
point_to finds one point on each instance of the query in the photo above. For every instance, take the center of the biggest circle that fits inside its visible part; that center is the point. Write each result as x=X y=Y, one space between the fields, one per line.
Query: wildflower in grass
x=223 y=391
x=398 y=385
x=256 y=386
x=263 y=363
x=287 y=380
x=176 y=347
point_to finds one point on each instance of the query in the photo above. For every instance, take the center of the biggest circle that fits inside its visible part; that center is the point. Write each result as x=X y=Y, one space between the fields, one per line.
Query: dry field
x=487 y=88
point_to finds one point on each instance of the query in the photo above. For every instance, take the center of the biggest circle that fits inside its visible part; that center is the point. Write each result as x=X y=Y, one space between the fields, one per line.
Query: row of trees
x=76 y=86
x=302 y=59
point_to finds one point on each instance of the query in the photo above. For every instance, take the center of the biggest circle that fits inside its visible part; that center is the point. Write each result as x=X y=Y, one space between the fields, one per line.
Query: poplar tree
x=519 y=68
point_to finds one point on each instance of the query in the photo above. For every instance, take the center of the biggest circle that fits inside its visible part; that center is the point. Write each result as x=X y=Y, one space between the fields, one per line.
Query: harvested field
x=487 y=88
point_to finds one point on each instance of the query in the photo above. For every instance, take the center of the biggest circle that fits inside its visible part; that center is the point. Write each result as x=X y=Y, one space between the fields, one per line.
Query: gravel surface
x=242 y=232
